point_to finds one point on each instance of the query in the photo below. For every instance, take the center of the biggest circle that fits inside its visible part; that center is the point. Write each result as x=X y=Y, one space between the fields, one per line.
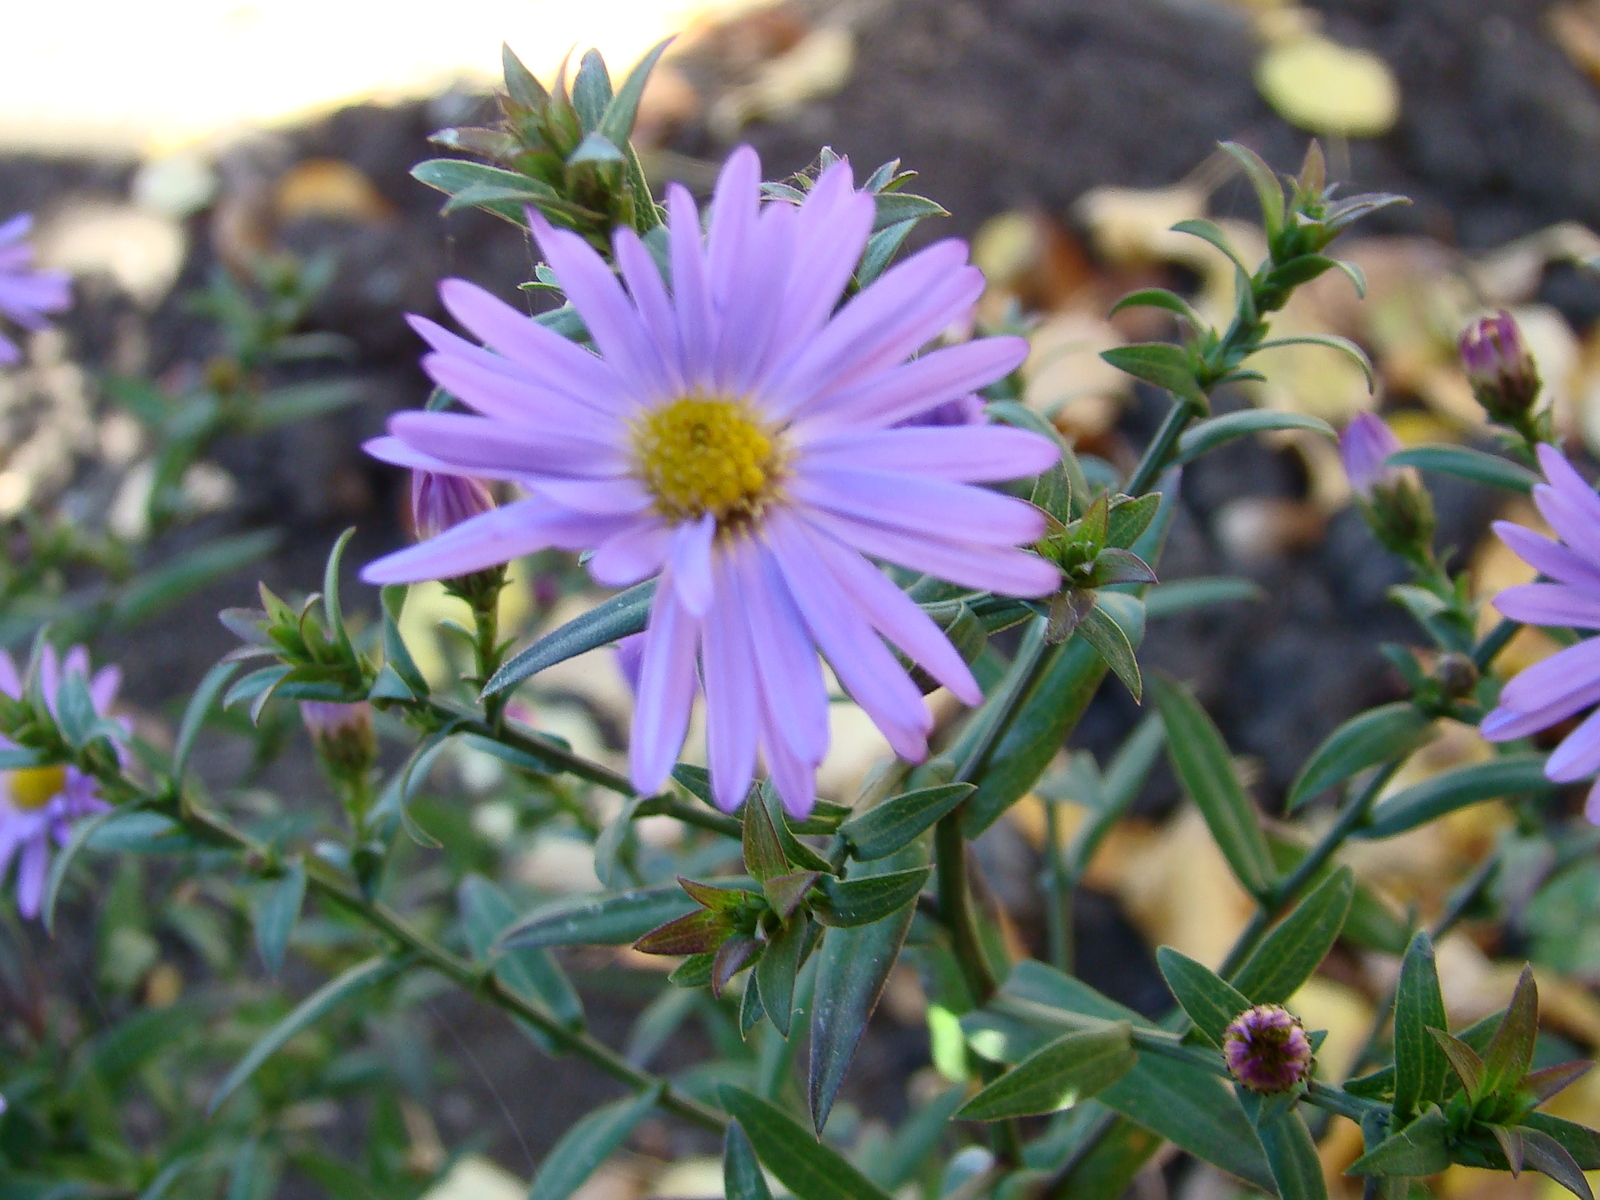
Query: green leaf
x=700 y=932
x=589 y=1143
x=624 y=614
x=852 y=967
x=282 y=406
x=1202 y=762
x=846 y=903
x=775 y=971
x=1291 y=953
x=1464 y=1061
x=591 y=90
x=1549 y=1156
x=1365 y=740
x=1207 y=435
x=1418 y=1149
x=616 y=126
x=615 y=920
x=150 y=593
x=82 y=832
x=595 y=148
x=1467 y=463
x=1129 y=517
x=1112 y=644
x=1211 y=1002
x=1505 y=775
x=1371 y=922
x=880 y=831
x=308 y=1012
x=526 y=970
x=741 y=1173
x=1421 y=1069
x=454 y=176
x=1292 y=1155
x=1183 y=595
x=1210 y=231
x=915 y=1141
x=881 y=249
x=1269 y=192
x=804 y=1165
x=1161 y=298
x=195 y=713
x=332 y=607
x=1331 y=341
x=1580 y=1141
x=1161 y=363
x=1071 y=1069
x=277 y=910
x=763 y=853
x=524 y=89
x=1510 y=1052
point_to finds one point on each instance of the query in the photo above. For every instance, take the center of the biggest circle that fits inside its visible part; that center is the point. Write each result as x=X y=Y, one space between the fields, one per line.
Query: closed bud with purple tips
x=441 y=502
x=1397 y=507
x=342 y=734
x=1267 y=1049
x=1503 y=375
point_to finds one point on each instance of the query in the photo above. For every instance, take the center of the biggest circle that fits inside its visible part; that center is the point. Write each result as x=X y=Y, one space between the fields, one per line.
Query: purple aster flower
x=26 y=294
x=1365 y=445
x=1567 y=682
x=736 y=437
x=440 y=502
x=1267 y=1049
x=38 y=804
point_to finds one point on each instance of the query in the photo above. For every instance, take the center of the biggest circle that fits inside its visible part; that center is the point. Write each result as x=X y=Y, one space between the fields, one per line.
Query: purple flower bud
x=1503 y=375
x=1364 y=446
x=342 y=734
x=1267 y=1049
x=440 y=502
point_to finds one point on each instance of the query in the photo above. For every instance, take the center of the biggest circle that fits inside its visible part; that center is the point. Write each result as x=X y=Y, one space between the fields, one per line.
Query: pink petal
x=691 y=563
x=929 y=506
x=691 y=294
x=957 y=454
x=1578 y=755
x=481 y=444
x=633 y=554
x=997 y=569
x=649 y=293
x=791 y=676
x=493 y=538
x=732 y=698
x=666 y=689
x=1547 y=557
x=1549 y=604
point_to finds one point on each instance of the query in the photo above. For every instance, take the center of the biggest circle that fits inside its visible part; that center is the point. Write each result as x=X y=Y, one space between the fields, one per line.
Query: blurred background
x=214 y=173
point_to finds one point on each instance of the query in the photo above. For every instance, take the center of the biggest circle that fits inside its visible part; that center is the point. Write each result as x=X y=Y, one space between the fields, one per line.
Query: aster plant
x=28 y=294
x=768 y=437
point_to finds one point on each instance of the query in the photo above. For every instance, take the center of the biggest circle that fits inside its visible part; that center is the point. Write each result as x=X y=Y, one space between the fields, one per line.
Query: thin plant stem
x=1059 y=887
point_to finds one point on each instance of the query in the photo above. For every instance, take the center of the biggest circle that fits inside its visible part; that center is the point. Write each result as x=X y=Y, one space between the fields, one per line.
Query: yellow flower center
x=34 y=787
x=700 y=455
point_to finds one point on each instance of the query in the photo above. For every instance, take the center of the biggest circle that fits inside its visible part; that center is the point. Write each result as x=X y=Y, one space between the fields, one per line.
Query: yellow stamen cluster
x=700 y=455
x=34 y=787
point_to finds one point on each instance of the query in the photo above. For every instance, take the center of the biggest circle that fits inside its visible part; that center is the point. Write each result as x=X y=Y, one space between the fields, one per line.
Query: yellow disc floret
x=700 y=455
x=35 y=787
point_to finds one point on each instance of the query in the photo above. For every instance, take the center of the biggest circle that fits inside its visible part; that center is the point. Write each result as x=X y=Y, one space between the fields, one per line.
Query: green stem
x=468 y=975
x=1486 y=651
x=1159 y=451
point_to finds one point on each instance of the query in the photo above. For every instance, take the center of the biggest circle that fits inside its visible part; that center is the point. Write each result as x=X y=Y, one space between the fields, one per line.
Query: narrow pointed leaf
x=852 y=902
x=195 y=713
x=529 y=971
x=1389 y=731
x=1548 y=1156
x=1418 y=1149
x=1201 y=761
x=1207 y=435
x=1513 y=1145
x=604 y=921
x=1211 y=1002
x=1467 y=463
x=1161 y=298
x=277 y=910
x=1292 y=952
x=776 y=971
x=525 y=90
x=617 y=124
x=1269 y=191
x=804 y=1165
x=1112 y=644
x=1464 y=1061
x=1420 y=1065
x=1071 y=1069
x=700 y=932
x=1292 y=1155
x=1331 y=341
x=879 y=832
x=763 y=853
x=1505 y=775
x=82 y=832
x=1579 y=1141
x=785 y=892
x=591 y=90
x=587 y=1144
x=1510 y=1051
x=741 y=1173
x=622 y=615
x=1549 y=1081
x=1161 y=363
x=308 y=1012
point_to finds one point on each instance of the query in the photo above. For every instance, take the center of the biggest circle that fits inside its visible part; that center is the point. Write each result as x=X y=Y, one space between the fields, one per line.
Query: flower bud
x=342 y=735
x=1503 y=375
x=1267 y=1049
x=441 y=502
x=1397 y=507
x=1456 y=675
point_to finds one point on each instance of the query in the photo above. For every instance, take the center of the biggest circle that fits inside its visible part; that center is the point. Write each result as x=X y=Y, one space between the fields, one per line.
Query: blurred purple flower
x=41 y=803
x=441 y=502
x=736 y=437
x=1503 y=375
x=1567 y=682
x=1267 y=1049
x=26 y=294
x=1364 y=446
